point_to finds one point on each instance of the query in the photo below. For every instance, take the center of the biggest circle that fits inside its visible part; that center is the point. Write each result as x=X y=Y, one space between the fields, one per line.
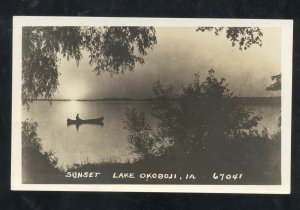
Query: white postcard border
x=286 y=100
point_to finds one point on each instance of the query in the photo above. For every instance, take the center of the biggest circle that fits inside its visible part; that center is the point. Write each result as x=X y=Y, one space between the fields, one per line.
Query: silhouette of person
x=77 y=117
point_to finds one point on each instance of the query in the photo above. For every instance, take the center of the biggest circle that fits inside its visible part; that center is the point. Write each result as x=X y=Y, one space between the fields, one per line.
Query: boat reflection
x=78 y=125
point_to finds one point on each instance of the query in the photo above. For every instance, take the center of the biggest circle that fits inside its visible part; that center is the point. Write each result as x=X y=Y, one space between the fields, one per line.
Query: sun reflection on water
x=73 y=108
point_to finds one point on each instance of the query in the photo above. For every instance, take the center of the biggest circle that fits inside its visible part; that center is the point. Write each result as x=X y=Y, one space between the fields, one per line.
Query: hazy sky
x=179 y=53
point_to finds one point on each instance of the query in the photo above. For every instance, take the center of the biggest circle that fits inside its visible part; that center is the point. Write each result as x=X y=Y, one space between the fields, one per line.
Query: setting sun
x=73 y=90
x=72 y=108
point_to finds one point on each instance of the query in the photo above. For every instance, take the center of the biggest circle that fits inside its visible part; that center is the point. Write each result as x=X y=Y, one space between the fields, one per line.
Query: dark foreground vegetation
x=37 y=165
x=257 y=159
x=205 y=131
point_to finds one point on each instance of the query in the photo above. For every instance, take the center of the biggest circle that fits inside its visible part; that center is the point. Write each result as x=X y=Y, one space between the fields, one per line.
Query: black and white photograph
x=152 y=105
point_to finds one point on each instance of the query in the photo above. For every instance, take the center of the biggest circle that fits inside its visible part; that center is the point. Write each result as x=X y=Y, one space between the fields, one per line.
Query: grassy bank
x=257 y=160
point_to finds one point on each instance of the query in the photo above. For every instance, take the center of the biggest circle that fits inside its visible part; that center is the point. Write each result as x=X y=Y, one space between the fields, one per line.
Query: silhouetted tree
x=29 y=135
x=36 y=163
x=276 y=86
x=205 y=115
x=244 y=37
x=110 y=49
x=143 y=142
x=277 y=83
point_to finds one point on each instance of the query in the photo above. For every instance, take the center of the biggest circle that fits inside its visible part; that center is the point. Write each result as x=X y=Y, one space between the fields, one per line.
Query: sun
x=74 y=90
x=73 y=107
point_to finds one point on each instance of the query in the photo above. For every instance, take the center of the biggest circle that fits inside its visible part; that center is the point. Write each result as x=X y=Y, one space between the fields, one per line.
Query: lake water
x=95 y=143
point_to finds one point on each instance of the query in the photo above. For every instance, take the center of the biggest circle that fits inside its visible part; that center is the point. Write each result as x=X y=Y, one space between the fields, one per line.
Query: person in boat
x=77 y=117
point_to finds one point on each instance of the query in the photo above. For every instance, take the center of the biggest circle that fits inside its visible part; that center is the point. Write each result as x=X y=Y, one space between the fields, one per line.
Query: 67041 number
x=219 y=176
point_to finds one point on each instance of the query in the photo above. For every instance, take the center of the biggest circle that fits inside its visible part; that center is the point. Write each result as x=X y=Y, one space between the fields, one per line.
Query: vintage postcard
x=151 y=105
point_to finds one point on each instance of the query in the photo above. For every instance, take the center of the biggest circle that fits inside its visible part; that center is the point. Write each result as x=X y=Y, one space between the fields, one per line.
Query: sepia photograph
x=152 y=105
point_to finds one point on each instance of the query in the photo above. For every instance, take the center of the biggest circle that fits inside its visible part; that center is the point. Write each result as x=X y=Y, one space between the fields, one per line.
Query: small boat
x=88 y=121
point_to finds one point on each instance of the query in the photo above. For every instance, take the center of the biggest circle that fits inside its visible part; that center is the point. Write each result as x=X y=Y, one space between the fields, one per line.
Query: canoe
x=88 y=121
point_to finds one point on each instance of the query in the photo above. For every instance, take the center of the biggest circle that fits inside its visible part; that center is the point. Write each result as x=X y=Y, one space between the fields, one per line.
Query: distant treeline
x=48 y=99
x=121 y=99
x=243 y=100
x=107 y=99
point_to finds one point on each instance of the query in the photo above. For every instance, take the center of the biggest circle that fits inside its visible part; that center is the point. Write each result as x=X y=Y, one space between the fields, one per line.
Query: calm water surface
x=94 y=143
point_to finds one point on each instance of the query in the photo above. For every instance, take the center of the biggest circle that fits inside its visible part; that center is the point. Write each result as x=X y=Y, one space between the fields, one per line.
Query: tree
x=110 y=49
x=244 y=37
x=205 y=115
x=277 y=83
x=36 y=163
x=276 y=86
x=143 y=141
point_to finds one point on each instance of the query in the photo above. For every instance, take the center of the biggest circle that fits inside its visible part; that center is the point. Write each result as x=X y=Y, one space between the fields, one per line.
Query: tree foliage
x=243 y=37
x=110 y=49
x=203 y=116
x=143 y=141
x=276 y=86
x=277 y=83
x=31 y=143
x=29 y=135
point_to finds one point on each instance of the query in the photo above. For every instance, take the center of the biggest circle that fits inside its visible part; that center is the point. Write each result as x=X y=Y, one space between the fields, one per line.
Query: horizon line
x=131 y=99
